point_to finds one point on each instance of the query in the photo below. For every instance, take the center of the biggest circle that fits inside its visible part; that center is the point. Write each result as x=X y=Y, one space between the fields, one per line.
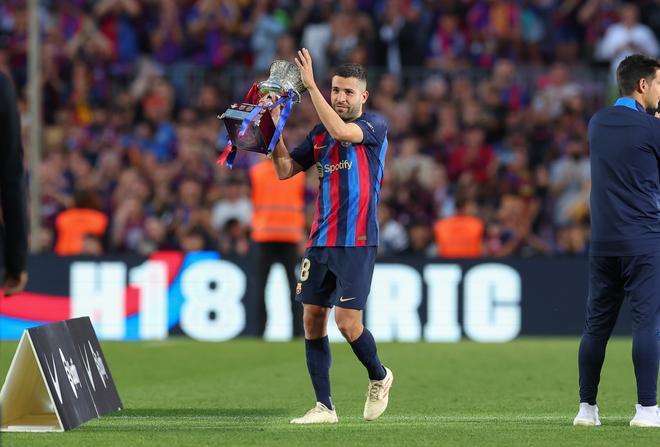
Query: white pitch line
x=492 y=418
x=390 y=419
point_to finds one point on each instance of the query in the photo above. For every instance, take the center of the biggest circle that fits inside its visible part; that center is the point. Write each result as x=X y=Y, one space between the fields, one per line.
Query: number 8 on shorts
x=304 y=269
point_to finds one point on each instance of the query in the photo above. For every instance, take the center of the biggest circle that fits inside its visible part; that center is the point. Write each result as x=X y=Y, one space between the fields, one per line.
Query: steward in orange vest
x=278 y=213
x=461 y=235
x=74 y=224
x=278 y=225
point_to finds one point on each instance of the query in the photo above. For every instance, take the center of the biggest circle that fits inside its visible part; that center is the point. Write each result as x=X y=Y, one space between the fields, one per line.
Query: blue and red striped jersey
x=350 y=177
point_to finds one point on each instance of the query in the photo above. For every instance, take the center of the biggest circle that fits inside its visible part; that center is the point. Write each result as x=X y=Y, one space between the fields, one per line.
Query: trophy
x=249 y=124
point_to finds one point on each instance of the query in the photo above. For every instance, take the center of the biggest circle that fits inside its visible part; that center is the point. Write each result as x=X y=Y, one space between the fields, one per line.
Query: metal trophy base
x=259 y=132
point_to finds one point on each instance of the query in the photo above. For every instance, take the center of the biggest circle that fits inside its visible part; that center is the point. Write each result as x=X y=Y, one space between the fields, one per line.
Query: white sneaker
x=587 y=416
x=320 y=414
x=646 y=417
x=377 y=396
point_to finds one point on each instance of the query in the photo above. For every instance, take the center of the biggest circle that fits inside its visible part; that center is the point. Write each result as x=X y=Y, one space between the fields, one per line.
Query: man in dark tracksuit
x=13 y=220
x=624 y=259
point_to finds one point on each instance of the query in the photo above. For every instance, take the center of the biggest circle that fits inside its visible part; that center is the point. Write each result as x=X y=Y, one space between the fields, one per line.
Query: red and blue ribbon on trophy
x=287 y=99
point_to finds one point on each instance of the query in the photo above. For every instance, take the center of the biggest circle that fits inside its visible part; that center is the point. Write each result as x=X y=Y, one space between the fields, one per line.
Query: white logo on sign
x=71 y=373
x=55 y=380
x=87 y=365
x=99 y=364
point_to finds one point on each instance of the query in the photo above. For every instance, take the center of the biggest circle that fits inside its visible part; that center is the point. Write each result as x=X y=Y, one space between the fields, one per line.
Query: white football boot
x=587 y=416
x=646 y=417
x=378 y=396
x=320 y=414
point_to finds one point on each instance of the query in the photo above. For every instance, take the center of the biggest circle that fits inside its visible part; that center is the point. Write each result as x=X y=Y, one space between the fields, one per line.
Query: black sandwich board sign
x=58 y=379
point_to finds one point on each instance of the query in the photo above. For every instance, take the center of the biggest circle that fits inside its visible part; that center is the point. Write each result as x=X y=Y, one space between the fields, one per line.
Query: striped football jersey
x=350 y=177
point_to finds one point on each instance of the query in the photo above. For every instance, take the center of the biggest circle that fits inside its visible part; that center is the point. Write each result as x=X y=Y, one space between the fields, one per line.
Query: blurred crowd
x=488 y=103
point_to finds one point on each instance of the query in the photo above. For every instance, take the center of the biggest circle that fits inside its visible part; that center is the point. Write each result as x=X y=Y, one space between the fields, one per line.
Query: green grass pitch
x=244 y=392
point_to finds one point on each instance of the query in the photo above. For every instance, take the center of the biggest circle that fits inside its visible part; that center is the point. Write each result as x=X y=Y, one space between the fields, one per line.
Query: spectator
x=399 y=42
x=189 y=210
x=570 y=184
x=128 y=225
x=510 y=234
x=89 y=43
x=196 y=238
x=626 y=37
x=474 y=158
x=554 y=91
x=158 y=107
x=350 y=28
x=393 y=237
x=420 y=239
x=312 y=22
x=410 y=163
x=156 y=237
x=460 y=235
x=234 y=205
x=234 y=240
x=265 y=29
x=448 y=44
x=287 y=47
x=117 y=22
x=92 y=246
x=210 y=23
x=76 y=224
x=167 y=41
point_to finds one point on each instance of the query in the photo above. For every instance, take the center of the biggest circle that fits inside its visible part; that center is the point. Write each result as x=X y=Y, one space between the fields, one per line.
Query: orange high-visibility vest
x=459 y=236
x=73 y=225
x=277 y=205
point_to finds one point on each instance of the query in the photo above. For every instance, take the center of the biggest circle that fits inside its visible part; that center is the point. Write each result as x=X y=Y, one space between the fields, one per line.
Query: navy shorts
x=336 y=276
x=615 y=278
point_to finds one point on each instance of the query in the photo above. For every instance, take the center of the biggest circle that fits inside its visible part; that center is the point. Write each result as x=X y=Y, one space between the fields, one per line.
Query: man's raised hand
x=268 y=100
x=304 y=63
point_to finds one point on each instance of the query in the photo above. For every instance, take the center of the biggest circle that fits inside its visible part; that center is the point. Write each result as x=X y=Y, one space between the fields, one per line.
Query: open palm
x=304 y=63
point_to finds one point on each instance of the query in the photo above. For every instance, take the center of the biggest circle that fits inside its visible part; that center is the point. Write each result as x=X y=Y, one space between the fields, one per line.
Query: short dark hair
x=350 y=70
x=632 y=69
x=461 y=201
x=84 y=198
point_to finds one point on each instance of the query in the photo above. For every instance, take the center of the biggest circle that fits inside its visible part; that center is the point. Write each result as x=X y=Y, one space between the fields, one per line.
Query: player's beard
x=349 y=114
x=654 y=107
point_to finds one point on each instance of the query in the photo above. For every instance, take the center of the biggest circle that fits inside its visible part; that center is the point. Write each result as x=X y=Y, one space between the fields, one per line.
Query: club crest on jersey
x=298 y=288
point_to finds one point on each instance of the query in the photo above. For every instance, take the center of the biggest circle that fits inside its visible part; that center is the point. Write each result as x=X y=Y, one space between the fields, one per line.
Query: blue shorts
x=336 y=276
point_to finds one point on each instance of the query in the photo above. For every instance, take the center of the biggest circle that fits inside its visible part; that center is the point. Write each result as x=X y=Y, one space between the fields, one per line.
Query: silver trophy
x=258 y=129
x=284 y=76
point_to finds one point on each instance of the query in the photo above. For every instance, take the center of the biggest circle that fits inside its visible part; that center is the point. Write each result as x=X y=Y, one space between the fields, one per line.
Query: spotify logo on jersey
x=328 y=168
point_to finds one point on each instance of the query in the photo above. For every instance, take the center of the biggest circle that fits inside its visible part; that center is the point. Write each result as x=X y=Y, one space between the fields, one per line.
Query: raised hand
x=268 y=100
x=304 y=63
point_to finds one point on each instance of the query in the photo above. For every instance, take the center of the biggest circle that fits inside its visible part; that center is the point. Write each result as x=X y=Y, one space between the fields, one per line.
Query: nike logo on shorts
x=343 y=300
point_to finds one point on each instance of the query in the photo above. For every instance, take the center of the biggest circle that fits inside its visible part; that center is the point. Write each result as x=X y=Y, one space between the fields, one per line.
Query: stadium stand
x=487 y=100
